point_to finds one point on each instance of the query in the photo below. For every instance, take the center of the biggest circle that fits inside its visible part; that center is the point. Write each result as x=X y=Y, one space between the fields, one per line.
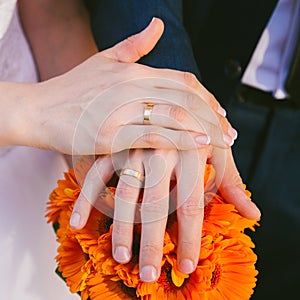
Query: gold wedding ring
x=133 y=173
x=147 y=113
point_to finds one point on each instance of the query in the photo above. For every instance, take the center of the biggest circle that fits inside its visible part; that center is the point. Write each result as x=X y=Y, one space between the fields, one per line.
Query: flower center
x=207 y=210
x=128 y=290
x=103 y=225
x=165 y=278
x=216 y=275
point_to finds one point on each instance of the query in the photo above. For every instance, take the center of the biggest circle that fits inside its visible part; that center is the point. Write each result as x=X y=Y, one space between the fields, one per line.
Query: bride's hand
x=98 y=107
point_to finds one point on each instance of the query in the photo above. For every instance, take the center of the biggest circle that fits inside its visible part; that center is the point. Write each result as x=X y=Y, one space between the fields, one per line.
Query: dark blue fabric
x=113 y=21
x=267 y=151
x=267 y=154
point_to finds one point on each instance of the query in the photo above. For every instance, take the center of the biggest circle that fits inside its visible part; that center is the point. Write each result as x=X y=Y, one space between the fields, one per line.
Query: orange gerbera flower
x=97 y=226
x=103 y=287
x=172 y=284
x=225 y=270
x=223 y=218
x=63 y=196
x=74 y=264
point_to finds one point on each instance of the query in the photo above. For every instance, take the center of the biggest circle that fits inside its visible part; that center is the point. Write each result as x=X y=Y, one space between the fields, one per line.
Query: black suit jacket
x=224 y=35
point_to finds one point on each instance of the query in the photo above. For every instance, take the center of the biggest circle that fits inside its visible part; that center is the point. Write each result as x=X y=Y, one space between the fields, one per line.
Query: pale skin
x=46 y=115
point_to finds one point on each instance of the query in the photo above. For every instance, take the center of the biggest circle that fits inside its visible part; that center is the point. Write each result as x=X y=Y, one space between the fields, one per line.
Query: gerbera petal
x=225 y=270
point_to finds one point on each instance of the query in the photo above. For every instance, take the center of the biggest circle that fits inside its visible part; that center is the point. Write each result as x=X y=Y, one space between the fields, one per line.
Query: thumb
x=138 y=45
x=231 y=185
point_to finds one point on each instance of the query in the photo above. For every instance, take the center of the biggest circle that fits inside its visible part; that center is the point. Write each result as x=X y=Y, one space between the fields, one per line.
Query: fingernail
x=122 y=254
x=148 y=274
x=186 y=266
x=75 y=219
x=152 y=20
x=222 y=111
x=233 y=133
x=228 y=140
x=203 y=139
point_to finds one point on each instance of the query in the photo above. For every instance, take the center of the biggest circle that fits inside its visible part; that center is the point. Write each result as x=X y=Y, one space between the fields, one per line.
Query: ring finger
x=177 y=118
x=126 y=198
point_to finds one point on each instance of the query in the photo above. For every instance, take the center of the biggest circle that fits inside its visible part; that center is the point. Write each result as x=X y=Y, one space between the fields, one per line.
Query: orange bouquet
x=225 y=270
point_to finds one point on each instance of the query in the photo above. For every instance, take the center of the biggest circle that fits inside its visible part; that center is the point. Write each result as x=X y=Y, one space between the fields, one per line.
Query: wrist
x=16 y=109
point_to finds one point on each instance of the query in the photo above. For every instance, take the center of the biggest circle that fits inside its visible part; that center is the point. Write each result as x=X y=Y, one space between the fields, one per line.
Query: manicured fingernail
x=222 y=111
x=228 y=140
x=233 y=133
x=186 y=266
x=148 y=274
x=75 y=219
x=122 y=254
x=203 y=139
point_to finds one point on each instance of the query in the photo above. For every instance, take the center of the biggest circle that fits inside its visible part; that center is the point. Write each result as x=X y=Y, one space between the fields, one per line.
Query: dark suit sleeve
x=114 y=20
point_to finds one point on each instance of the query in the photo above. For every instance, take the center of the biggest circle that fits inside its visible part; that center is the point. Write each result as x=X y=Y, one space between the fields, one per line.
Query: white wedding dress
x=27 y=176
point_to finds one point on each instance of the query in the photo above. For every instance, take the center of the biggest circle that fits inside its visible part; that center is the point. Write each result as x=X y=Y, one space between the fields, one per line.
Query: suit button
x=232 y=68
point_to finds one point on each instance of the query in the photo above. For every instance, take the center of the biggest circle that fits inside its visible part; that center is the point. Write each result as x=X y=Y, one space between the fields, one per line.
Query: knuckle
x=121 y=230
x=98 y=164
x=126 y=192
x=187 y=244
x=152 y=248
x=191 y=207
x=185 y=141
x=130 y=41
x=232 y=179
x=189 y=247
x=211 y=101
x=153 y=210
x=237 y=181
x=150 y=136
x=131 y=44
x=177 y=113
x=94 y=174
x=154 y=205
x=104 y=138
x=182 y=140
x=190 y=80
x=81 y=204
x=192 y=101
